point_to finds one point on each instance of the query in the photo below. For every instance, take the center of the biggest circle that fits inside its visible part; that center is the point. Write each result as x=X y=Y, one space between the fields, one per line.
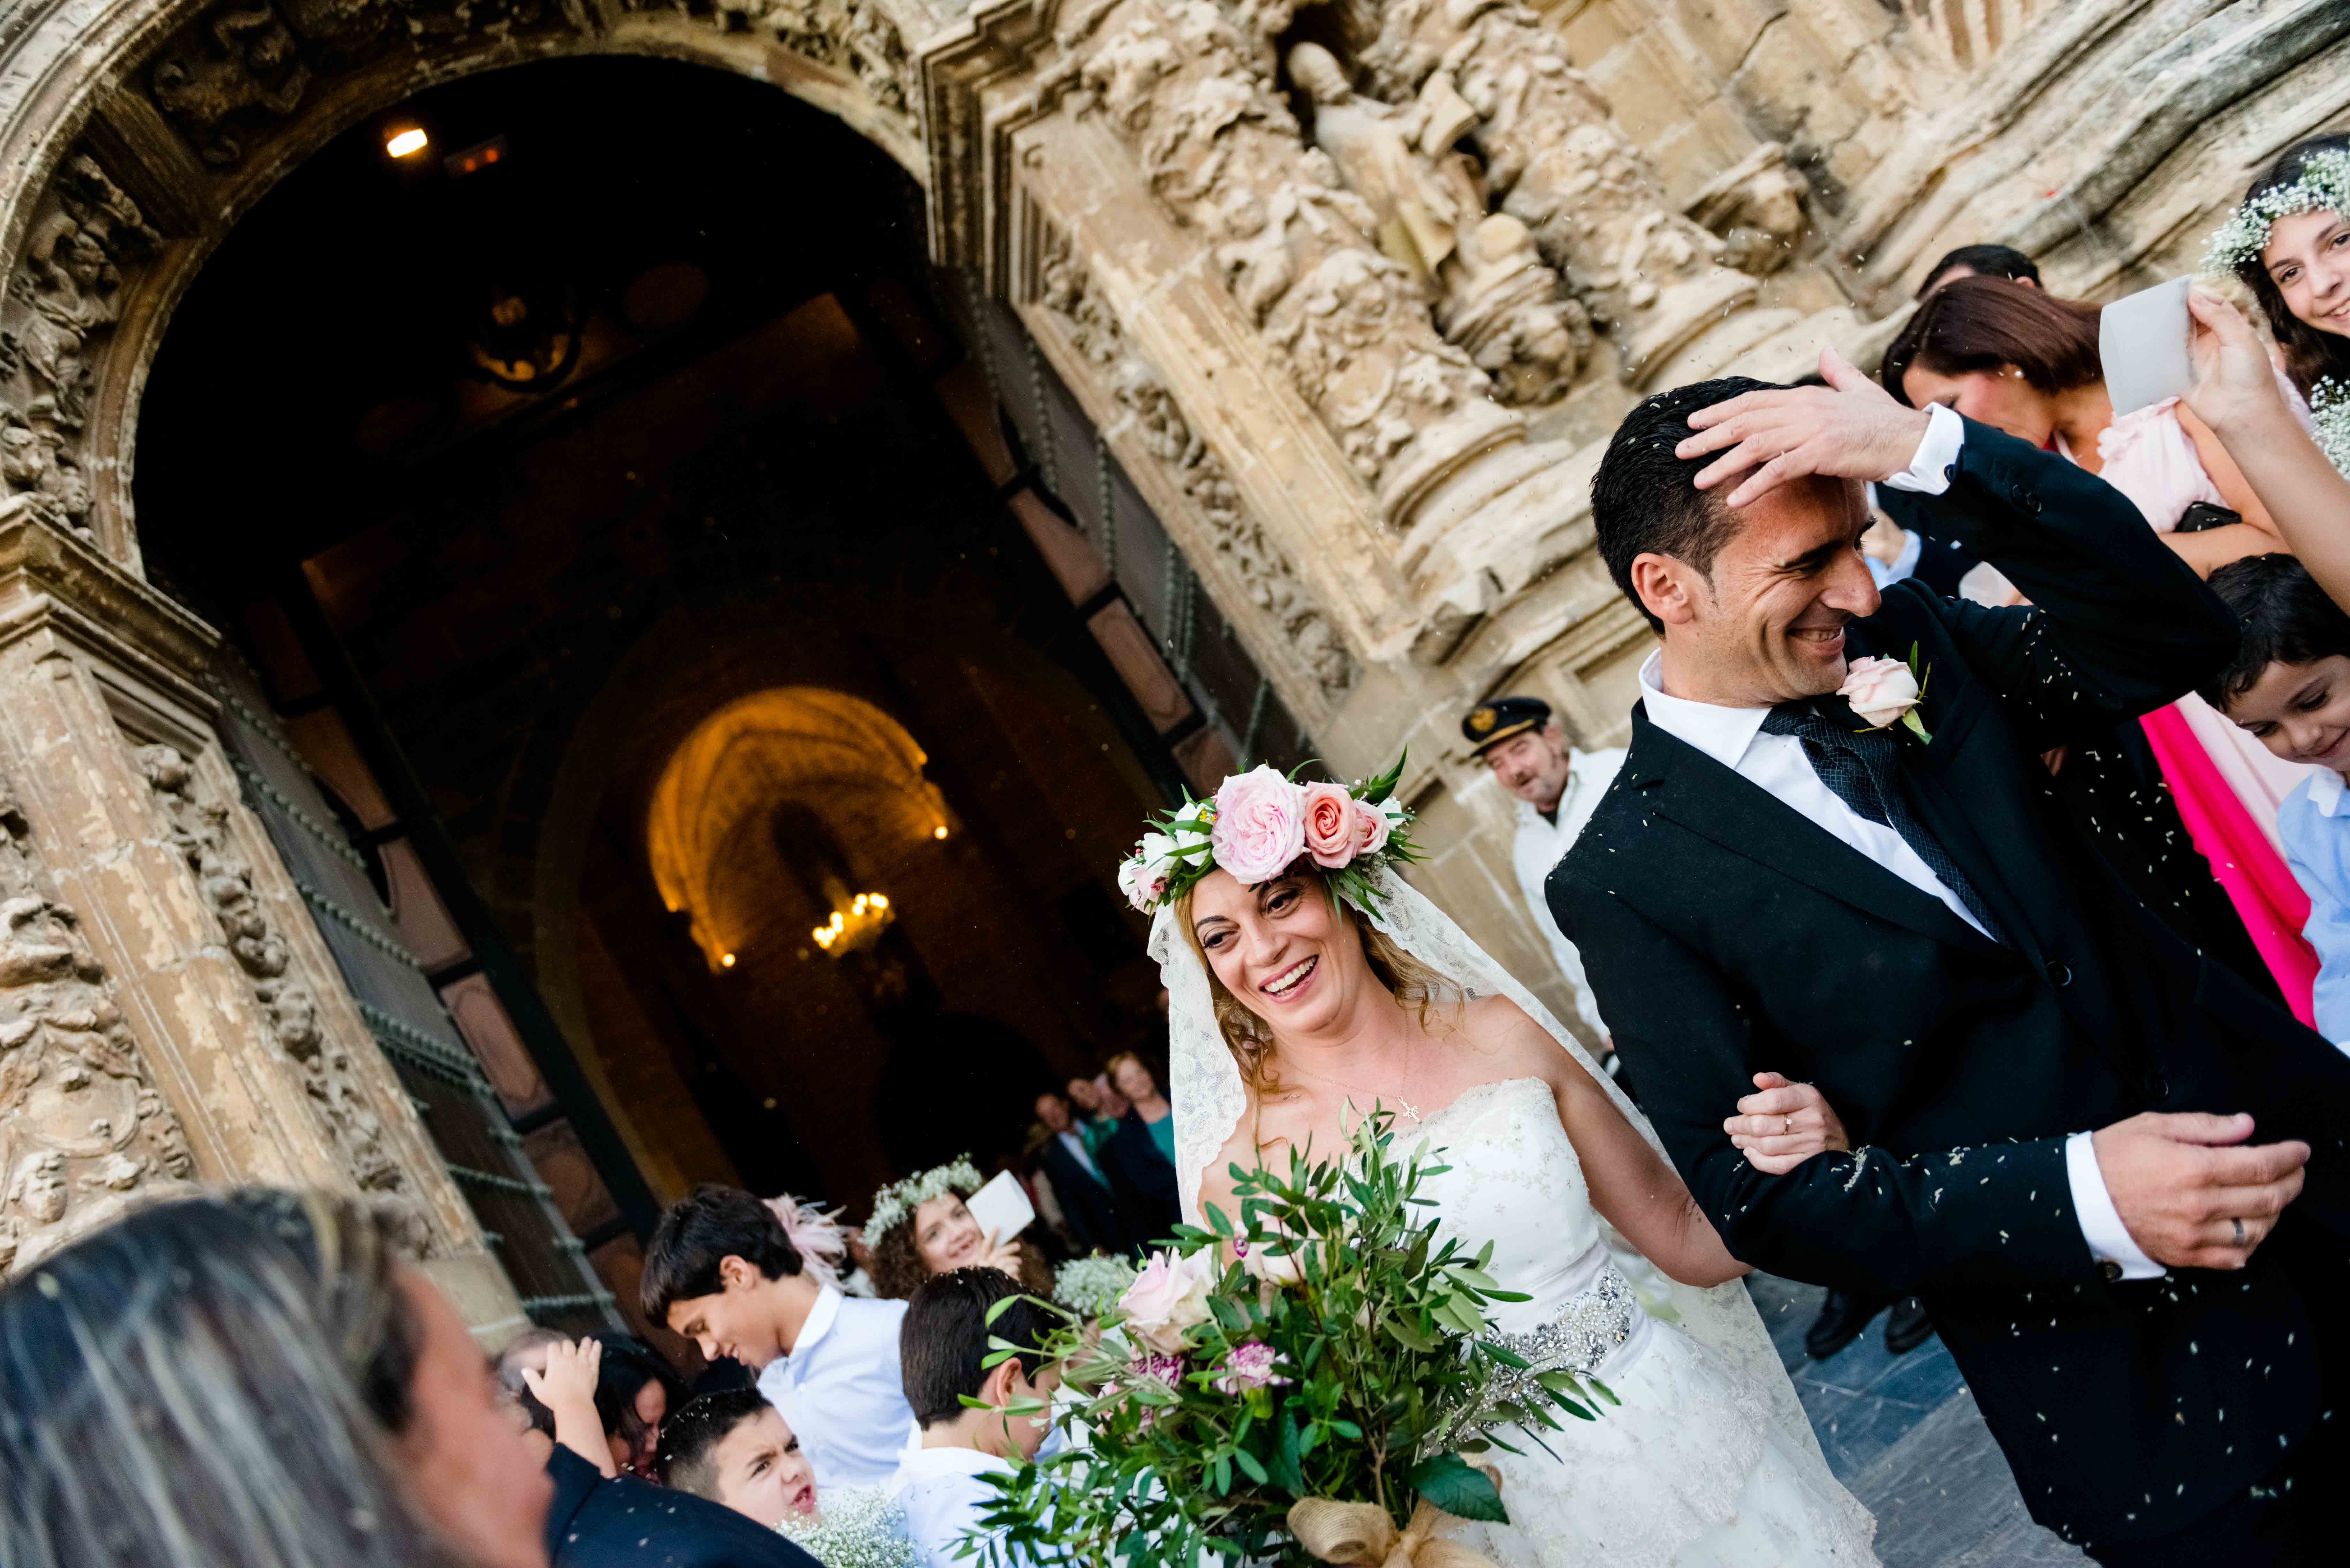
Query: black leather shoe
x=1907 y=1326
x=1842 y=1317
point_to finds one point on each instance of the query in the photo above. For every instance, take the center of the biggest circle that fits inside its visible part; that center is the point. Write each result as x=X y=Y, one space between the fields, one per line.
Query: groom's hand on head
x=2182 y=1182
x=1849 y=429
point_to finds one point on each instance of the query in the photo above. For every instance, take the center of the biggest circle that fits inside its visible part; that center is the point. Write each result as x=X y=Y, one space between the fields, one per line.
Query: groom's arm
x=1997 y=1215
x=2118 y=624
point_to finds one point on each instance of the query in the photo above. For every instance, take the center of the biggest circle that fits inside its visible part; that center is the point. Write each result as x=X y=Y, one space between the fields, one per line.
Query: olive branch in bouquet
x=1326 y=1343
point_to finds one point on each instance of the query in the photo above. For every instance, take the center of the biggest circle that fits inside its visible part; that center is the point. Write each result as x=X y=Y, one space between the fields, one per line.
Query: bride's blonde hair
x=1432 y=998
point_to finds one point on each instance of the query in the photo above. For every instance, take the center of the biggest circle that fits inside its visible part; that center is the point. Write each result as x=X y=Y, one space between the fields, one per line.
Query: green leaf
x=1248 y=1464
x=1409 y=1337
x=1288 y=1460
x=1458 y=1488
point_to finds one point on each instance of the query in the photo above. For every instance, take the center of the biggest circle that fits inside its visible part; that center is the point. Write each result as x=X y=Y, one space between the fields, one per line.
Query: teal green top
x=1162 y=1133
x=1097 y=1131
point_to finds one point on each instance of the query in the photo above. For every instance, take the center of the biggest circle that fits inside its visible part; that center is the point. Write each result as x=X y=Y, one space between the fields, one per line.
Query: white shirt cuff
x=2101 y=1223
x=1928 y=472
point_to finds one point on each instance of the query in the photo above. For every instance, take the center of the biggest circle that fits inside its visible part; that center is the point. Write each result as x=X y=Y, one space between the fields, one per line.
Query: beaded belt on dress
x=1592 y=1327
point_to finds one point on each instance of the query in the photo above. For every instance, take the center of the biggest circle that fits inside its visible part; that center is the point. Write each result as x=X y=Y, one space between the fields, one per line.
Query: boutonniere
x=1886 y=692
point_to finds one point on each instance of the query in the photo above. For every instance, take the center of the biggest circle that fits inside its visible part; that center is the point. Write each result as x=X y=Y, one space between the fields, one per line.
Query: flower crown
x=901 y=1199
x=1258 y=823
x=2323 y=184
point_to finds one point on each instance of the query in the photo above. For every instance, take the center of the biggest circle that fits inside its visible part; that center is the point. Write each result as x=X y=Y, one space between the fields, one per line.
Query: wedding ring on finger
x=2239 y=1224
x=1786 y=1125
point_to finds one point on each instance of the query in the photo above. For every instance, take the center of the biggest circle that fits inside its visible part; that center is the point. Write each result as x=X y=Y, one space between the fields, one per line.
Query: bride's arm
x=1633 y=1187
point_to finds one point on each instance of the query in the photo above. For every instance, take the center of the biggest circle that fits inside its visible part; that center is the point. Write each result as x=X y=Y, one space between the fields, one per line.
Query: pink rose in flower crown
x=1371 y=828
x=1329 y=822
x=1169 y=1299
x=1259 y=825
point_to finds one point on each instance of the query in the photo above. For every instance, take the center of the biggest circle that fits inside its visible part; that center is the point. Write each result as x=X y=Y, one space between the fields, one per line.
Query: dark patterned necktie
x=1863 y=770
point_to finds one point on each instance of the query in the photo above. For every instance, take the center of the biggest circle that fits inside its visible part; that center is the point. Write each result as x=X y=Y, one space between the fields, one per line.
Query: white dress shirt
x=1542 y=841
x=942 y=1490
x=841 y=1391
x=1733 y=737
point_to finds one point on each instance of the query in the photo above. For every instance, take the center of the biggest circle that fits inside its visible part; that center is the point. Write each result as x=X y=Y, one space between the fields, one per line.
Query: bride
x=1307 y=986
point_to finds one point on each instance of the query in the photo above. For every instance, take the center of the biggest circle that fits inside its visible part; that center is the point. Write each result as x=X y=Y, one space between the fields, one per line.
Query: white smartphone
x=2143 y=341
x=1002 y=1207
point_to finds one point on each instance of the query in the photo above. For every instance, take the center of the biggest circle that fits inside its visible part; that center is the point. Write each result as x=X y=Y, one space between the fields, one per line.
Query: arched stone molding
x=138 y=134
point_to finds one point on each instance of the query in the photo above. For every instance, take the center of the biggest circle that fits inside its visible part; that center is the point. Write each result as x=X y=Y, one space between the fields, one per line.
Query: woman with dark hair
x=2288 y=243
x=254 y=1380
x=635 y=1392
x=2026 y=362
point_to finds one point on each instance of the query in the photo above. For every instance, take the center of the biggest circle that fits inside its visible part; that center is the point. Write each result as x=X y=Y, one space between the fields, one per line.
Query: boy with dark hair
x=735 y=1449
x=721 y=1273
x=944 y=1346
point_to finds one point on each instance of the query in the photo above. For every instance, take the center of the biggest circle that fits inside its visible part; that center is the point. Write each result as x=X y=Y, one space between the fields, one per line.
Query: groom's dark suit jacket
x=1728 y=934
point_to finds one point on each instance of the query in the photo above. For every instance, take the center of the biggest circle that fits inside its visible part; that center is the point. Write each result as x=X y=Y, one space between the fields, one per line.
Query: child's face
x=762 y=1472
x=1028 y=1433
x=2301 y=711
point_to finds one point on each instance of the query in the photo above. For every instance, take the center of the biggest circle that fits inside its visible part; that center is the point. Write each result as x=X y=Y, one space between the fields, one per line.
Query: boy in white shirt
x=943 y=1484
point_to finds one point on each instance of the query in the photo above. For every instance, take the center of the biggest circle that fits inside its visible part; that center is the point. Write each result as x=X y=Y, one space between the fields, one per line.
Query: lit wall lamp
x=406 y=141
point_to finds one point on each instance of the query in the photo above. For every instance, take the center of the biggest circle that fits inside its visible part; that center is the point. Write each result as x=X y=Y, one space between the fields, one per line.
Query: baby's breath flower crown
x=2329 y=411
x=1260 y=823
x=2323 y=185
x=901 y=1199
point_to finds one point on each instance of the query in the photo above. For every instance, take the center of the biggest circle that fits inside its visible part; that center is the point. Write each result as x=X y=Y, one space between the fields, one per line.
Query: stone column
x=167 y=1010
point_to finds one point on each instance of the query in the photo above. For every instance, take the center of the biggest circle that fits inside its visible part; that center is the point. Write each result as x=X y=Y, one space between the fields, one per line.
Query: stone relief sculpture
x=1271 y=582
x=82 y=1128
x=60 y=307
x=1494 y=297
x=850 y=35
x=1350 y=323
x=200 y=829
x=1757 y=208
x=1651 y=278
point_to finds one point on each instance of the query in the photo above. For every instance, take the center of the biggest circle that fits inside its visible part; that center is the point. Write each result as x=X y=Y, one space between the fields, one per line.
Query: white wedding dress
x=1708 y=1462
x=1689 y=1471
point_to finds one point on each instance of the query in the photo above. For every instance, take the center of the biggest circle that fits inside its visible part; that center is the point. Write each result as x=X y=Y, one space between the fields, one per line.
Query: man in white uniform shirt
x=721 y=1273
x=1556 y=787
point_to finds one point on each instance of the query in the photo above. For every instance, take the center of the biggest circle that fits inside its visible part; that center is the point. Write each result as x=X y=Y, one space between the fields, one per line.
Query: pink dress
x=2227 y=784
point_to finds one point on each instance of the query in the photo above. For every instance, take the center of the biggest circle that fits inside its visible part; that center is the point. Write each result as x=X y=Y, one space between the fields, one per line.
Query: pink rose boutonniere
x=1887 y=691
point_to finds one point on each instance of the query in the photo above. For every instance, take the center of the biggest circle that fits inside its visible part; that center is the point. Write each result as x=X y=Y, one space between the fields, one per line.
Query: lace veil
x=1210 y=1101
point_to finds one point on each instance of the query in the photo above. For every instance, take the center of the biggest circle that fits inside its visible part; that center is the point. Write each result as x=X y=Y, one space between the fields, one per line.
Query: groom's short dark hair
x=1646 y=499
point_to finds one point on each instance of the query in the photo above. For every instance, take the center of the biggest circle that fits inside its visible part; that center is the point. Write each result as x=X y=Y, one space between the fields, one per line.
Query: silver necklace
x=1403 y=1107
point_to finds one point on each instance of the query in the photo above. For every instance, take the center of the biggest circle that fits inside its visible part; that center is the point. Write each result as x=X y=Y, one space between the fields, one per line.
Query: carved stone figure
x=1757 y=208
x=1651 y=278
x=200 y=828
x=1266 y=576
x=59 y=311
x=1494 y=297
x=237 y=58
x=1350 y=324
x=81 y=1127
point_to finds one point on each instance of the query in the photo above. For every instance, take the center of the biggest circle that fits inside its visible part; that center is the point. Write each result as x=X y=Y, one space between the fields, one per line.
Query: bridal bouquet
x=1326 y=1347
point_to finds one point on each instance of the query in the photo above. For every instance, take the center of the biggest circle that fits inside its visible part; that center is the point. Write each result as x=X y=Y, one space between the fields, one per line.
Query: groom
x=2044 y=1087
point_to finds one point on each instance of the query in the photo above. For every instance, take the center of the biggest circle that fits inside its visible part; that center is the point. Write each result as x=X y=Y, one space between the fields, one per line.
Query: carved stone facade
x=82 y=1127
x=1355 y=295
x=200 y=828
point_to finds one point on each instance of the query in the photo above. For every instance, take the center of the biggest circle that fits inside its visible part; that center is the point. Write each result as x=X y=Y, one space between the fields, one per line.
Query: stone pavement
x=1902 y=1432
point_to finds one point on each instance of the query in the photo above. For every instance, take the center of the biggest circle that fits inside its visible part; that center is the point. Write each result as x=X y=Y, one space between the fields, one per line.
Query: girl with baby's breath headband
x=2289 y=245
x=920 y=1228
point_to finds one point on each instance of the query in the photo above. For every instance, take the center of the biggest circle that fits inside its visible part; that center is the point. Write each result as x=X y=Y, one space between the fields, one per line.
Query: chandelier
x=855 y=925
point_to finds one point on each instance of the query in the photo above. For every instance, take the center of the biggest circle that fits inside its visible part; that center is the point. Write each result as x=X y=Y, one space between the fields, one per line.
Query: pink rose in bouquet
x=1329 y=823
x=1169 y=1299
x=1259 y=825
